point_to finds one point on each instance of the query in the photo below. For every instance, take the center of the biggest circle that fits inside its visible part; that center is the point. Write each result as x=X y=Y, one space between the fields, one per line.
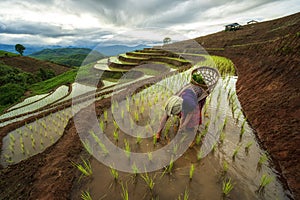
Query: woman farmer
x=187 y=104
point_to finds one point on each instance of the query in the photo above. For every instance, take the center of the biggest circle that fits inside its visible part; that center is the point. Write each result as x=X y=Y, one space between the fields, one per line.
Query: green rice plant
x=150 y=157
x=12 y=148
x=148 y=180
x=154 y=139
x=105 y=115
x=168 y=169
x=185 y=195
x=42 y=142
x=135 y=170
x=198 y=139
x=235 y=152
x=114 y=173
x=101 y=124
x=124 y=194
x=85 y=168
x=85 y=195
x=225 y=123
x=199 y=155
x=127 y=148
x=142 y=110
x=227 y=187
x=222 y=137
x=167 y=129
x=136 y=116
x=175 y=149
x=52 y=139
x=247 y=147
x=207 y=125
x=12 y=138
x=115 y=124
x=238 y=116
x=87 y=146
x=116 y=135
x=131 y=124
x=101 y=145
x=262 y=159
x=192 y=169
x=225 y=167
x=138 y=139
x=204 y=132
x=32 y=141
x=264 y=181
x=214 y=147
x=122 y=114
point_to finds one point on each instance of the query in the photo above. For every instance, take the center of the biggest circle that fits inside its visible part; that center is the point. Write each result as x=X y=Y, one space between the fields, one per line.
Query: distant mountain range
x=118 y=49
x=69 y=56
x=105 y=50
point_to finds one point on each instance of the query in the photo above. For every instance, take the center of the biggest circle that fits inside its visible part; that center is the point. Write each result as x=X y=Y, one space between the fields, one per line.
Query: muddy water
x=216 y=147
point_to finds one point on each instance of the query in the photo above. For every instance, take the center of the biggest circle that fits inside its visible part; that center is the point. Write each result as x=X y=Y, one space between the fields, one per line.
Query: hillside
x=18 y=73
x=266 y=56
x=68 y=56
x=31 y=65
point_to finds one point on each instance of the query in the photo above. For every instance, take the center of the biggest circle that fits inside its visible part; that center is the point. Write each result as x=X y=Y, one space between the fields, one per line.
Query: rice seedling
x=101 y=145
x=175 y=149
x=225 y=167
x=127 y=148
x=124 y=193
x=148 y=180
x=12 y=148
x=154 y=139
x=222 y=137
x=150 y=157
x=87 y=146
x=105 y=115
x=168 y=169
x=247 y=147
x=185 y=195
x=198 y=139
x=131 y=124
x=135 y=170
x=101 y=124
x=115 y=124
x=142 y=109
x=52 y=139
x=235 y=152
x=225 y=123
x=138 y=139
x=264 y=181
x=192 y=169
x=12 y=138
x=32 y=141
x=214 y=147
x=116 y=135
x=85 y=195
x=227 y=187
x=262 y=160
x=122 y=114
x=85 y=168
x=207 y=125
x=114 y=173
x=199 y=155
x=136 y=116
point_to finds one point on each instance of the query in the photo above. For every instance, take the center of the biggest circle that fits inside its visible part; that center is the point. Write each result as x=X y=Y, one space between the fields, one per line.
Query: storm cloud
x=75 y=22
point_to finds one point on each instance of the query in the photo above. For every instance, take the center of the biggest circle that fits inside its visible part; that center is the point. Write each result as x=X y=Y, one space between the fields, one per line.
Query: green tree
x=20 y=48
x=166 y=40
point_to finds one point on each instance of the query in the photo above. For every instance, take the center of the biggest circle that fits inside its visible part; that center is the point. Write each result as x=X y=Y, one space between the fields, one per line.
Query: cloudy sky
x=90 y=22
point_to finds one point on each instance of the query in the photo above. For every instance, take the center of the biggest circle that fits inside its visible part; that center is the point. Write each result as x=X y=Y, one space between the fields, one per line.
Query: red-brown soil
x=268 y=89
x=32 y=65
x=267 y=56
